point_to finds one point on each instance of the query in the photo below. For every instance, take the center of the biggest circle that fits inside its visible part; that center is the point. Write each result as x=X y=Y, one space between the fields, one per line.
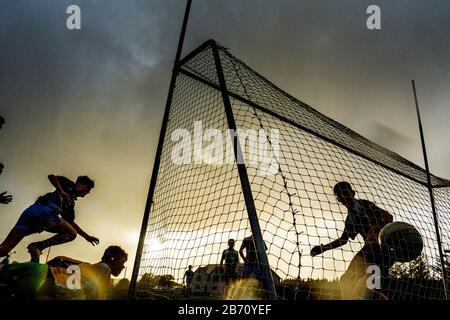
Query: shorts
x=251 y=268
x=371 y=254
x=38 y=218
x=230 y=274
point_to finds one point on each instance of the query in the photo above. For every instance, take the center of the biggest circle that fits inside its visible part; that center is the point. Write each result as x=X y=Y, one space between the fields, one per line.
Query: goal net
x=292 y=156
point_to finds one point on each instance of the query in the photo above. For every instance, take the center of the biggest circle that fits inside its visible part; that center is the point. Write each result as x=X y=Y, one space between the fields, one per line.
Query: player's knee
x=345 y=277
x=71 y=235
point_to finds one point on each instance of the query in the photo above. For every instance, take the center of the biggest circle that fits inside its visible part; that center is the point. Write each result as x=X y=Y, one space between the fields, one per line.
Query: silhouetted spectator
x=231 y=258
x=187 y=278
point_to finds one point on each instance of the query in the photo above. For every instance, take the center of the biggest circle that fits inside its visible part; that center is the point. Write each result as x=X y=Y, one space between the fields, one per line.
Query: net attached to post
x=294 y=156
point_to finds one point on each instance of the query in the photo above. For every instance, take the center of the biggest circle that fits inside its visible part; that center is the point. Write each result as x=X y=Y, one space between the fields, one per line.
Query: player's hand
x=316 y=251
x=93 y=240
x=5 y=198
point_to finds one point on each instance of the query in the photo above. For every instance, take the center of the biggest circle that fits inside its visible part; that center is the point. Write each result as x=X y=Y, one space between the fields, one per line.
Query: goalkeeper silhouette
x=366 y=219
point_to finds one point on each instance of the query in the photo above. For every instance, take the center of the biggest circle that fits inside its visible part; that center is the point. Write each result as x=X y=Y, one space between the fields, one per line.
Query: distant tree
x=438 y=269
x=123 y=284
x=148 y=281
x=151 y=281
x=418 y=269
x=167 y=281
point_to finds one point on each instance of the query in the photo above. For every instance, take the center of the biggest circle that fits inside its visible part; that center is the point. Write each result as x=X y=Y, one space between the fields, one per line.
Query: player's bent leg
x=69 y=234
x=25 y=225
x=348 y=288
x=350 y=285
x=368 y=291
x=14 y=237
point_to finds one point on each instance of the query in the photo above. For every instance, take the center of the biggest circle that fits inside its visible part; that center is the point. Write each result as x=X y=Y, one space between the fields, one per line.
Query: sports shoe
x=35 y=253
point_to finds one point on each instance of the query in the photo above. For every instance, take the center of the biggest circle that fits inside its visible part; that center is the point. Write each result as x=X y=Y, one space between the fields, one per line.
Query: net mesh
x=300 y=154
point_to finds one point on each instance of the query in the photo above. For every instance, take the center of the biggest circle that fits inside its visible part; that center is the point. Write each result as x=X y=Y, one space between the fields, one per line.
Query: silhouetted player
x=187 y=278
x=251 y=264
x=94 y=278
x=53 y=212
x=366 y=219
x=231 y=258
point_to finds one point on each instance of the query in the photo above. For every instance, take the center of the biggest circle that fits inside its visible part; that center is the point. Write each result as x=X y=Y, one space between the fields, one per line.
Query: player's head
x=1 y=167
x=190 y=267
x=344 y=193
x=83 y=186
x=231 y=243
x=2 y=122
x=115 y=257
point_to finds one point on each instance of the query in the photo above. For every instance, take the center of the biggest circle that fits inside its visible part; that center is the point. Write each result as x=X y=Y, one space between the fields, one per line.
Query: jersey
x=93 y=279
x=230 y=257
x=189 y=275
x=363 y=214
x=251 y=254
x=54 y=199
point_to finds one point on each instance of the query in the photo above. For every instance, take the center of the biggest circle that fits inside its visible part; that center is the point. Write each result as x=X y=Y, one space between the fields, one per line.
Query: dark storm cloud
x=113 y=69
x=118 y=45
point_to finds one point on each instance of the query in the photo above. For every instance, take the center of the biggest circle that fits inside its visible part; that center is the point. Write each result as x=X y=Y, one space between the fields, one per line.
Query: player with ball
x=385 y=242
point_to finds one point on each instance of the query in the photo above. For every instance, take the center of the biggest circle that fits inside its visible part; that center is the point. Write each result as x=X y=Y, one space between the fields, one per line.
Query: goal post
x=245 y=183
x=148 y=204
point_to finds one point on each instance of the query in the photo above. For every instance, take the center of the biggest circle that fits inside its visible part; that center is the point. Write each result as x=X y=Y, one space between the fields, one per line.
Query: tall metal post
x=148 y=205
x=245 y=183
x=430 y=189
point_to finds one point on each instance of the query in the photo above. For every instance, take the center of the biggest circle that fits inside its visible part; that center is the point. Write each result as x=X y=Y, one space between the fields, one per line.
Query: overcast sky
x=91 y=101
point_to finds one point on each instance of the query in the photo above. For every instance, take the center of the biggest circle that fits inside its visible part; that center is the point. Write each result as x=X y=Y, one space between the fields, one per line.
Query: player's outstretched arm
x=54 y=180
x=241 y=253
x=93 y=240
x=330 y=246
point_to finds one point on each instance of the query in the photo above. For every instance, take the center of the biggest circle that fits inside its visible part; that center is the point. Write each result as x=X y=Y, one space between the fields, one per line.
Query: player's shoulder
x=66 y=181
x=102 y=268
x=366 y=203
x=369 y=205
x=62 y=178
